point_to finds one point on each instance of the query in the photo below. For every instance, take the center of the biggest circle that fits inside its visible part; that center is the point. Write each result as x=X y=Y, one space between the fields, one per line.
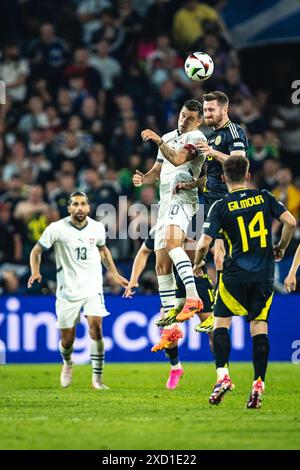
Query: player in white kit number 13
x=79 y=246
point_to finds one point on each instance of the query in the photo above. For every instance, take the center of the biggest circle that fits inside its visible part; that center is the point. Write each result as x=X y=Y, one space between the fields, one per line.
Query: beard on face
x=80 y=217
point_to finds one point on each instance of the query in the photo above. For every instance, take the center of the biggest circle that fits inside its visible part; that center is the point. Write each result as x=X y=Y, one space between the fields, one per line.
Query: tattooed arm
x=176 y=157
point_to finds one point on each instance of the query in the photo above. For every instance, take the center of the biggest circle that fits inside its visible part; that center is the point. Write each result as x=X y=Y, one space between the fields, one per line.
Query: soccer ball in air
x=199 y=66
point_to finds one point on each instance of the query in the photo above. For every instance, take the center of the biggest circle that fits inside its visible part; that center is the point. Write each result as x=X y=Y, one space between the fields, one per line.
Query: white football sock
x=185 y=270
x=166 y=287
x=97 y=357
x=66 y=354
x=221 y=372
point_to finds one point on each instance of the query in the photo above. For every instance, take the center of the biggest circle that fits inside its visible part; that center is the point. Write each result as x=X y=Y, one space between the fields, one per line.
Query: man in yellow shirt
x=287 y=192
x=188 y=22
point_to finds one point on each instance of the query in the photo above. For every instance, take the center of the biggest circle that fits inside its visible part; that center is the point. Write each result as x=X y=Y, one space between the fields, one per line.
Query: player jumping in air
x=177 y=159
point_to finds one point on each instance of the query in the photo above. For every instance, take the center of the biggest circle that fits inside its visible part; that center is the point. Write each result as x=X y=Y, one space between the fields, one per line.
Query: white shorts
x=68 y=311
x=171 y=213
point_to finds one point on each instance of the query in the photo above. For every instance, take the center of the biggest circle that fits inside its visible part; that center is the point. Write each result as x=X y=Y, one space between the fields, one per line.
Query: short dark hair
x=77 y=193
x=221 y=98
x=235 y=168
x=194 y=105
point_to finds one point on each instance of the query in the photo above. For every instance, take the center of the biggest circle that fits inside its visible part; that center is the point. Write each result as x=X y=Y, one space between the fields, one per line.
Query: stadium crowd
x=83 y=78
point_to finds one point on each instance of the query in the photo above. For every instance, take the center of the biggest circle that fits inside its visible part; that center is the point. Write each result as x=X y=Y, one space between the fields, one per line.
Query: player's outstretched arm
x=108 y=262
x=219 y=156
x=150 y=177
x=289 y=225
x=176 y=157
x=35 y=262
x=290 y=281
x=186 y=186
x=201 y=251
x=137 y=268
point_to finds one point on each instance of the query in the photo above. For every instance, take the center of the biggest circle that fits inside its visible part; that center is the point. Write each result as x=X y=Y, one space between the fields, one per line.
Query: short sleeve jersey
x=245 y=217
x=78 y=262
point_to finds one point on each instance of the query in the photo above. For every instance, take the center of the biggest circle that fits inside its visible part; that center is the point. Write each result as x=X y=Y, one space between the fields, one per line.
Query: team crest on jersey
x=218 y=140
x=91 y=241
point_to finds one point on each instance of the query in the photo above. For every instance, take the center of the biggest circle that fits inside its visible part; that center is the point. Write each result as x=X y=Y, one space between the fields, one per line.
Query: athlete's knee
x=67 y=338
x=258 y=327
x=170 y=244
x=95 y=331
x=162 y=269
x=163 y=265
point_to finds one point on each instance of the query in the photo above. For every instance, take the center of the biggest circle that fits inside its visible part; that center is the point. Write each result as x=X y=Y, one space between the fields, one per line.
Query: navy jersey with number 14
x=244 y=217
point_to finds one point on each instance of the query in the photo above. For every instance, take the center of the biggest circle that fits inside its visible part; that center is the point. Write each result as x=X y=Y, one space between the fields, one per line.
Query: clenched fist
x=138 y=179
x=147 y=134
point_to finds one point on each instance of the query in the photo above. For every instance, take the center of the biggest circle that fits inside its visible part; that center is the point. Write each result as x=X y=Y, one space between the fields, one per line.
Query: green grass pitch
x=138 y=412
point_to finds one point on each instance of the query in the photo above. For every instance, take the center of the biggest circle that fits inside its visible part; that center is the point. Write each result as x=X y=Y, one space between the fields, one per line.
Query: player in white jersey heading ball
x=178 y=159
x=79 y=246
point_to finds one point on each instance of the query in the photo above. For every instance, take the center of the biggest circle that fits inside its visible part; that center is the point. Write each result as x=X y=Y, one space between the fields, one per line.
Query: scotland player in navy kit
x=227 y=139
x=245 y=217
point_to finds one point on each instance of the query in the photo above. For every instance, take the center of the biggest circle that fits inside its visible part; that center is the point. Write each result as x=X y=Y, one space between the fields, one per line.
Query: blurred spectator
x=143 y=215
x=128 y=140
x=59 y=197
x=251 y=117
x=98 y=191
x=97 y=159
x=108 y=67
x=36 y=117
x=287 y=122
x=14 y=70
x=125 y=109
x=34 y=214
x=188 y=23
x=10 y=240
x=64 y=104
x=10 y=284
x=164 y=105
x=14 y=193
x=15 y=161
x=36 y=143
x=287 y=192
x=269 y=174
x=223 y=58
x=48 y=56
x=91 y=120
x=134 y=84
x=111 y=31
x=88 y=12
x=159 y=17
x=258 y=152
x=82 y=67
x=126 y=174
x=233 y=86
x=130 y=21
x=71 y=149
x=54 y=122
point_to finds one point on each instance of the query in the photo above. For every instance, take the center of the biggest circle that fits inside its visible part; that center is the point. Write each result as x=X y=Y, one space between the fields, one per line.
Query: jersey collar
x=222 y=127
x=238 y=189
x=78 y=228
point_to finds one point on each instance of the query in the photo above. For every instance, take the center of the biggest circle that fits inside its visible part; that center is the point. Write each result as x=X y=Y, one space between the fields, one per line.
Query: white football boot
x=66 y=375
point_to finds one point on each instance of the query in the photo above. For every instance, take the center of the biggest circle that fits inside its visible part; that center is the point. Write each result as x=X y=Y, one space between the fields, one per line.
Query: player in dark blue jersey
x=226 y=139
x=244 y=216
